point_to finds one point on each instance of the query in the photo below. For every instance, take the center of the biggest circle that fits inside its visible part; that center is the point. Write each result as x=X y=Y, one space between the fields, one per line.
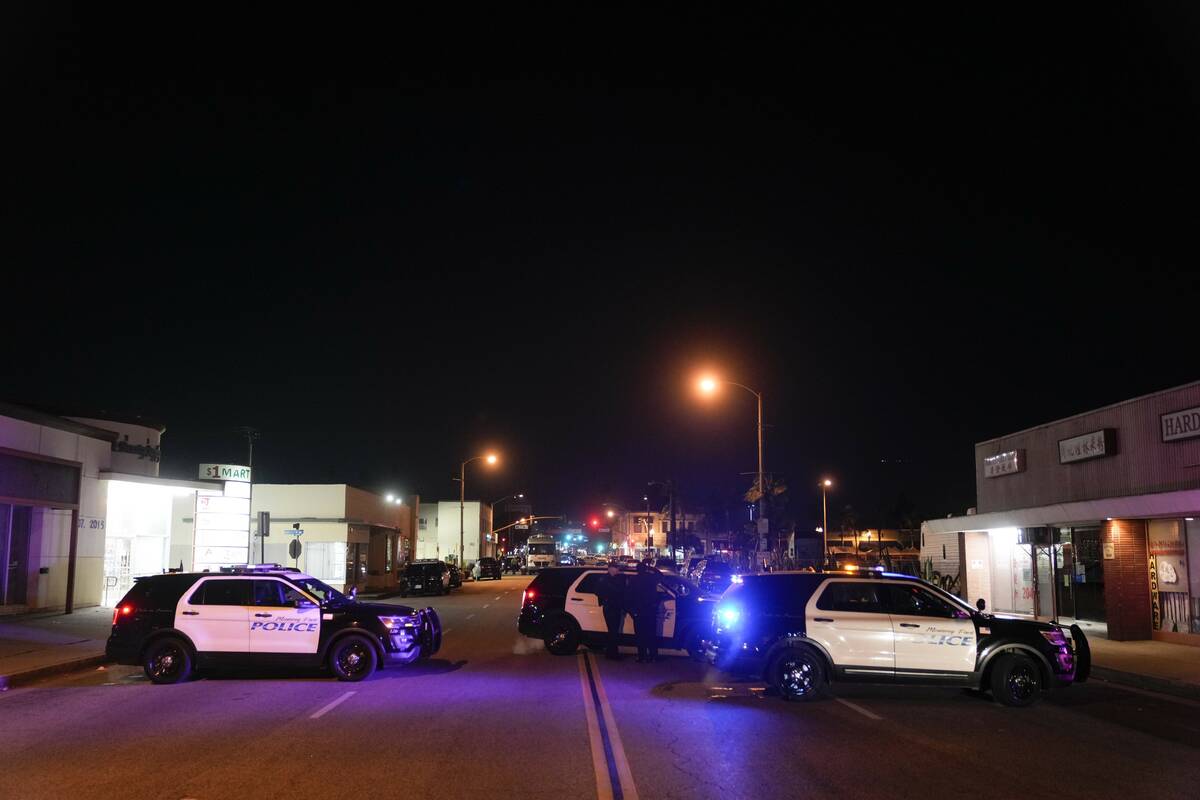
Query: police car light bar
x=243 y=568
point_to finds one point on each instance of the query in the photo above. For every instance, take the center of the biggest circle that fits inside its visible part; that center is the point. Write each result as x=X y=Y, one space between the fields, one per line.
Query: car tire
x=1016 y=680
x=694 y=648
x=562 y=636
x=799 y=675
x=353 y=658
x=167 y=660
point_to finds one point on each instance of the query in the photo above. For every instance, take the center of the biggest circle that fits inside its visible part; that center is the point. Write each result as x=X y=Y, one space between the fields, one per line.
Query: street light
x=490 y=459
x=825 y=485
x=709 y=385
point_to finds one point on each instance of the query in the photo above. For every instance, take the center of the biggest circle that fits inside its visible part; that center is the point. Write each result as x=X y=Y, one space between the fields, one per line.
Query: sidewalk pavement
x=1154 y=666
x=33 y=646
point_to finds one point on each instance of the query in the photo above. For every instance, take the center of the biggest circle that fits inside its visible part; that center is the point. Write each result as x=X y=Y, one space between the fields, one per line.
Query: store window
x=326 y=561
x=1175 y=575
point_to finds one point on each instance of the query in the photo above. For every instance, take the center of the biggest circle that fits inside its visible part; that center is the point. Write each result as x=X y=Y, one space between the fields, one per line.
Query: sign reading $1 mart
x=224 y=472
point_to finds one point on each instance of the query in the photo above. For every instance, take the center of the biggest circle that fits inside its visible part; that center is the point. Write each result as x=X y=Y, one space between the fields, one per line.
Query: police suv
x=561 y=608
x=262 y=615
x=801 y=631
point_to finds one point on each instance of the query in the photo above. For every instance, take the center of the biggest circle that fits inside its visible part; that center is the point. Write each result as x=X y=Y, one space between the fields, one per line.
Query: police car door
x=933 y=636
x=848 y=618
x=283 y=619
x=584 y=604
x=214 y=615
x=668 y=610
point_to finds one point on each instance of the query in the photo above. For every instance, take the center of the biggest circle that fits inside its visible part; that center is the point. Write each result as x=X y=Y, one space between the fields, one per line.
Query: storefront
x=1091 y=518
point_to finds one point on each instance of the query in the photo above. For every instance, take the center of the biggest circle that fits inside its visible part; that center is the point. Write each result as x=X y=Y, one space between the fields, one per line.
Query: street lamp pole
x=825 y=484
x=462 y=497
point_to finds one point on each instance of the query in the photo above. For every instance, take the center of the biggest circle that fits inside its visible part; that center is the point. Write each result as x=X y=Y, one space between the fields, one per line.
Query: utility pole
x=251 y=434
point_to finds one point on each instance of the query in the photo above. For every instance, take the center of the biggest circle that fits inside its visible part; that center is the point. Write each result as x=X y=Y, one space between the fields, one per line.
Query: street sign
x=225 y=472
x=264 y=523
x=294 y=532
x=294 y=548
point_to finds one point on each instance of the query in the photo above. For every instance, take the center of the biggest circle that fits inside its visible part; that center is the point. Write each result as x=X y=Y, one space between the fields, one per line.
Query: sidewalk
x=1154 y=666
x=36 y=645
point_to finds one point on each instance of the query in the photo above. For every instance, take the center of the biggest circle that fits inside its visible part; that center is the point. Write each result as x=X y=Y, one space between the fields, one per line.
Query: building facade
x=438 y=531
x=83 y=510
x=351 y=537
x=1093 y=518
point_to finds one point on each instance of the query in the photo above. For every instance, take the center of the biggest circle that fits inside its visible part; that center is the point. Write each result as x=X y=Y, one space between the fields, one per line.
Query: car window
x=911 y=600
x=222 y=593
x=591 y=583
x=268 y=593
x=850 y=596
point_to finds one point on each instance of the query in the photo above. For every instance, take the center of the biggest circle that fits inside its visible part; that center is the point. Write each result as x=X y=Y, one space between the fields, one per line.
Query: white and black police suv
x=561 y=607
x=262 y=616
x=800 y=631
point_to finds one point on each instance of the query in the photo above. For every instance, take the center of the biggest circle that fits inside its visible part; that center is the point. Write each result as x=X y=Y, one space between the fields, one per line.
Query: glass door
x=1044 y=596
x=1064 y=555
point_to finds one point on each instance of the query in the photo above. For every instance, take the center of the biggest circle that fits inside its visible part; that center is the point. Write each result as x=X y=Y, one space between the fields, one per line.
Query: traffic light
x=595 y=522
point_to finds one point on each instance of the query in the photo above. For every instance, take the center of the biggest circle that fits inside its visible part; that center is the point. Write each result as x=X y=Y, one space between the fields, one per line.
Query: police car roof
x=837 y=573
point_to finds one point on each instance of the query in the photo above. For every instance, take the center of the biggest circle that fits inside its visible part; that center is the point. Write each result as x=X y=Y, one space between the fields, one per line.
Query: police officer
x=643 y=598
x=611 y=594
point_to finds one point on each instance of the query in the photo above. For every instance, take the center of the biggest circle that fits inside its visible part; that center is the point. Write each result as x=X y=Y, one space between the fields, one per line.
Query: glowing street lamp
x=491 y=459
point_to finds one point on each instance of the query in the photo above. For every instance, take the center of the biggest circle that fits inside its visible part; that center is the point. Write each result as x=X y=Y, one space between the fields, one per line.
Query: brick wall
x=1126 y=580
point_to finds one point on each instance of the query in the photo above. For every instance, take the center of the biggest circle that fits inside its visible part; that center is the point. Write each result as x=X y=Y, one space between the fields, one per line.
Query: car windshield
x=323 y=592
x=541 y=549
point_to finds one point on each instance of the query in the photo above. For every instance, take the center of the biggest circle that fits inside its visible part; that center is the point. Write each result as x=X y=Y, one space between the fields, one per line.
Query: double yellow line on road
x=614 y=781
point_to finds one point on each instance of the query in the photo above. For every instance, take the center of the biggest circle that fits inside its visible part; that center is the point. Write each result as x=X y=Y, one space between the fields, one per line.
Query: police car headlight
x=397 y=624
x=1055 y=637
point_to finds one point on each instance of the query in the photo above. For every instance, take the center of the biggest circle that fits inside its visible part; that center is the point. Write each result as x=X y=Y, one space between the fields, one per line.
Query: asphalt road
x=493 y=715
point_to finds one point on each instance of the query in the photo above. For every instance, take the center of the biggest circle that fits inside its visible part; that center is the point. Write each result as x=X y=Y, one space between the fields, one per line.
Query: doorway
x=14 y=554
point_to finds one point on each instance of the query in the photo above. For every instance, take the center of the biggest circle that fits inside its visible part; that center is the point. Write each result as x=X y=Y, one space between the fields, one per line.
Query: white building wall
x=942 y=549
x=476 y=517
x=427 y=533
x=49 y=545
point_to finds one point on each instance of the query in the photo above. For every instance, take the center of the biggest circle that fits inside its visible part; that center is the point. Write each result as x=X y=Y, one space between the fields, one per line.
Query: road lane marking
x=859 y=709
x=470 y=615
x=325 y=709
x=604 y=782
x=497 y=597
x=485 y=605
x=616 y=769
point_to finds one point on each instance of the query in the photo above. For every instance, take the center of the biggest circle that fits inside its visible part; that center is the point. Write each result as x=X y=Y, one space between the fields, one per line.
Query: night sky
x=391 y=242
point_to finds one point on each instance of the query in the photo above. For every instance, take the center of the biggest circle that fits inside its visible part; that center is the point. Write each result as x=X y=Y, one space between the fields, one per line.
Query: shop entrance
x=14 y=554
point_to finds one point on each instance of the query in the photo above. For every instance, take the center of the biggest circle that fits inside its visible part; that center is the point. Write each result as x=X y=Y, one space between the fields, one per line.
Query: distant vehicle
x=512 y=564
x=489 y=569
x=802 y=631
x=540 y=552
x=457 y=576
x=666 y=564
x=426 y=576
x=261 y=615
x=713 y=577
x=560 y=607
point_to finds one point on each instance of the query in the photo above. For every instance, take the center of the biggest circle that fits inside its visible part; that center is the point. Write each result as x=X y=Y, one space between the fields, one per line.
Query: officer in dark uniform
x=643 y=600
x=611 y=594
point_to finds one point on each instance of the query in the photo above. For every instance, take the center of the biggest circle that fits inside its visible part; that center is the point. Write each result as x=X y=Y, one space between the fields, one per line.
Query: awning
x=1142 y=506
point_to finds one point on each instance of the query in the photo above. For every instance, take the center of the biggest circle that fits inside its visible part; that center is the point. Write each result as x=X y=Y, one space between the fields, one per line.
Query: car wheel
x=798 y=674
x=353 y=658
x=694 y=647
x=1016 y=680
x=168 y=660
x=562 y=637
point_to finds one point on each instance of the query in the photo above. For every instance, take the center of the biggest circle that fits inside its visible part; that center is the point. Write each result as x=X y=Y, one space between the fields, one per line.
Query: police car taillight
x=121 y=611
x=527 y=597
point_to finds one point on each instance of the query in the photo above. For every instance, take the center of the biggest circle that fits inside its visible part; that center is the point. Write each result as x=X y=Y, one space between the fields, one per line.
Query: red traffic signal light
x=595 y=522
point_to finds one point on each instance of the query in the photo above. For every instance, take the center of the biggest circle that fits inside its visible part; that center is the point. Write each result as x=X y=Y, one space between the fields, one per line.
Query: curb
x=1190 y=691
x=30 y=675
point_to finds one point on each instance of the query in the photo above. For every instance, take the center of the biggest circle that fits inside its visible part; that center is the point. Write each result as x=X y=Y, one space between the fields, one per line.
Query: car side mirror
x=981 y=604
x=353 y=592
x=300 y=602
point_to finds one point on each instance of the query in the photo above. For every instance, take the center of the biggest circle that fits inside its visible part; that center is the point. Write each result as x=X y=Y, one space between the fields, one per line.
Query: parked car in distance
x=426 y=576
x=714 y=577
x=488 y=569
